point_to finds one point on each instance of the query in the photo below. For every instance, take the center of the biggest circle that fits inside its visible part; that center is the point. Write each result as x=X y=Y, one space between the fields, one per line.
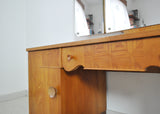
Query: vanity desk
x=70 y=78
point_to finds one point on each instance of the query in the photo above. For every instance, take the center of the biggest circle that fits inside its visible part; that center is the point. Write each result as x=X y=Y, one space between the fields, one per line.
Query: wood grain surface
x=132 y=55
x=78 y=92
x=40 y=80
x=83 y=92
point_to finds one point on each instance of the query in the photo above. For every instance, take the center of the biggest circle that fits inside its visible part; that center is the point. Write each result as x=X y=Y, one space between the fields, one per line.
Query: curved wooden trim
x=68 y=69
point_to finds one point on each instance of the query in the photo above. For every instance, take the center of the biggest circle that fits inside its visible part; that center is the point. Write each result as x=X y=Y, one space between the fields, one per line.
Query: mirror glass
x=106 y=16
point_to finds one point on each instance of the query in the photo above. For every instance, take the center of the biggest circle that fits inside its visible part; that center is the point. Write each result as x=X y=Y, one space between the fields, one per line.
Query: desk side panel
x=43 y=74
x=83 y=92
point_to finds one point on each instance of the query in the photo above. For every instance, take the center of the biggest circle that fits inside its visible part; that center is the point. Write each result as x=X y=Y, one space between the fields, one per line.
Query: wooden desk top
x=132 y=34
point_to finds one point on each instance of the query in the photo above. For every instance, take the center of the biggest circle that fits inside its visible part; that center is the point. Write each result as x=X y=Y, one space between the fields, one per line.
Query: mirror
x=89 y=18
x=106 y=16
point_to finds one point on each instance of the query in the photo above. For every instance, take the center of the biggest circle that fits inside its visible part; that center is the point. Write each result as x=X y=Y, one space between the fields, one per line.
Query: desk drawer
x=132 y=55
x=72 y=57
x=89 y=56
x=47 y=58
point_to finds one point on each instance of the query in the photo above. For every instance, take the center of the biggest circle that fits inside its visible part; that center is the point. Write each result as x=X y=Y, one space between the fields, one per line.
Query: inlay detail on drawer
x=131 y=55
x=49 y=58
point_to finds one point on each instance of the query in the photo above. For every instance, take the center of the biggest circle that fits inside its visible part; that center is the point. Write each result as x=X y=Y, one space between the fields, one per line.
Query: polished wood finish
x=79 y=92
x=83 y=92
x=40 y=80
x=51 y=58
x=77 y=59
x=139 y=33
x=132 y=55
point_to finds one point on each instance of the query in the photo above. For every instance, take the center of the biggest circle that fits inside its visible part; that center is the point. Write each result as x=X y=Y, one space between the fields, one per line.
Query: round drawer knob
x=69 y=57
x=52 y=92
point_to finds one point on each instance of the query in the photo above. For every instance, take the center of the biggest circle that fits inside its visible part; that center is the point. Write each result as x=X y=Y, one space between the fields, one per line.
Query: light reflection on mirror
x=116 y=15
x=105 y=16
x=92 y=10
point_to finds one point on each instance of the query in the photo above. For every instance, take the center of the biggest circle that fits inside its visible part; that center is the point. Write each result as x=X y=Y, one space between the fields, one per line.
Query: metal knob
x=52 y=92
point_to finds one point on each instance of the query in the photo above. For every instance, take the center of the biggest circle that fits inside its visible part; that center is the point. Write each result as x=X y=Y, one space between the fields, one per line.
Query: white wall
x=49 y=22
x=133 y=93
x=13 y=73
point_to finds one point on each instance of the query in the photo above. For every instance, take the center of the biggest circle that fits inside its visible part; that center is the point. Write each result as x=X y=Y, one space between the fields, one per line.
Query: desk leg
x=83 y=92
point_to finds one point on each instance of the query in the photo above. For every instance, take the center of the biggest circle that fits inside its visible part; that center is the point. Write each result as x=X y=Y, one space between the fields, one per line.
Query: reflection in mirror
x=92 y=11
x=105 y=16
x=116 y=15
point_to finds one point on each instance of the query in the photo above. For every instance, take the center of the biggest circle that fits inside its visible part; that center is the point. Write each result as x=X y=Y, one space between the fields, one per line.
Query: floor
x=16 y=106
x=113 y=112
x=20 y=106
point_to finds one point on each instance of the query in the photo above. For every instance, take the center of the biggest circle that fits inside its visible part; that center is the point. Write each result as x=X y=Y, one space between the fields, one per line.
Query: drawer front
x=48 y=58
x=72 y=57
x=89 y=57
x=44 y=82
x=51 y=58
x=132 y=55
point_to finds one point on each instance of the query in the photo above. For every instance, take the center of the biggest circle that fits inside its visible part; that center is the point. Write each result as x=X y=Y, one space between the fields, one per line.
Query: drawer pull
x=69 y=57
x=52 y=92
